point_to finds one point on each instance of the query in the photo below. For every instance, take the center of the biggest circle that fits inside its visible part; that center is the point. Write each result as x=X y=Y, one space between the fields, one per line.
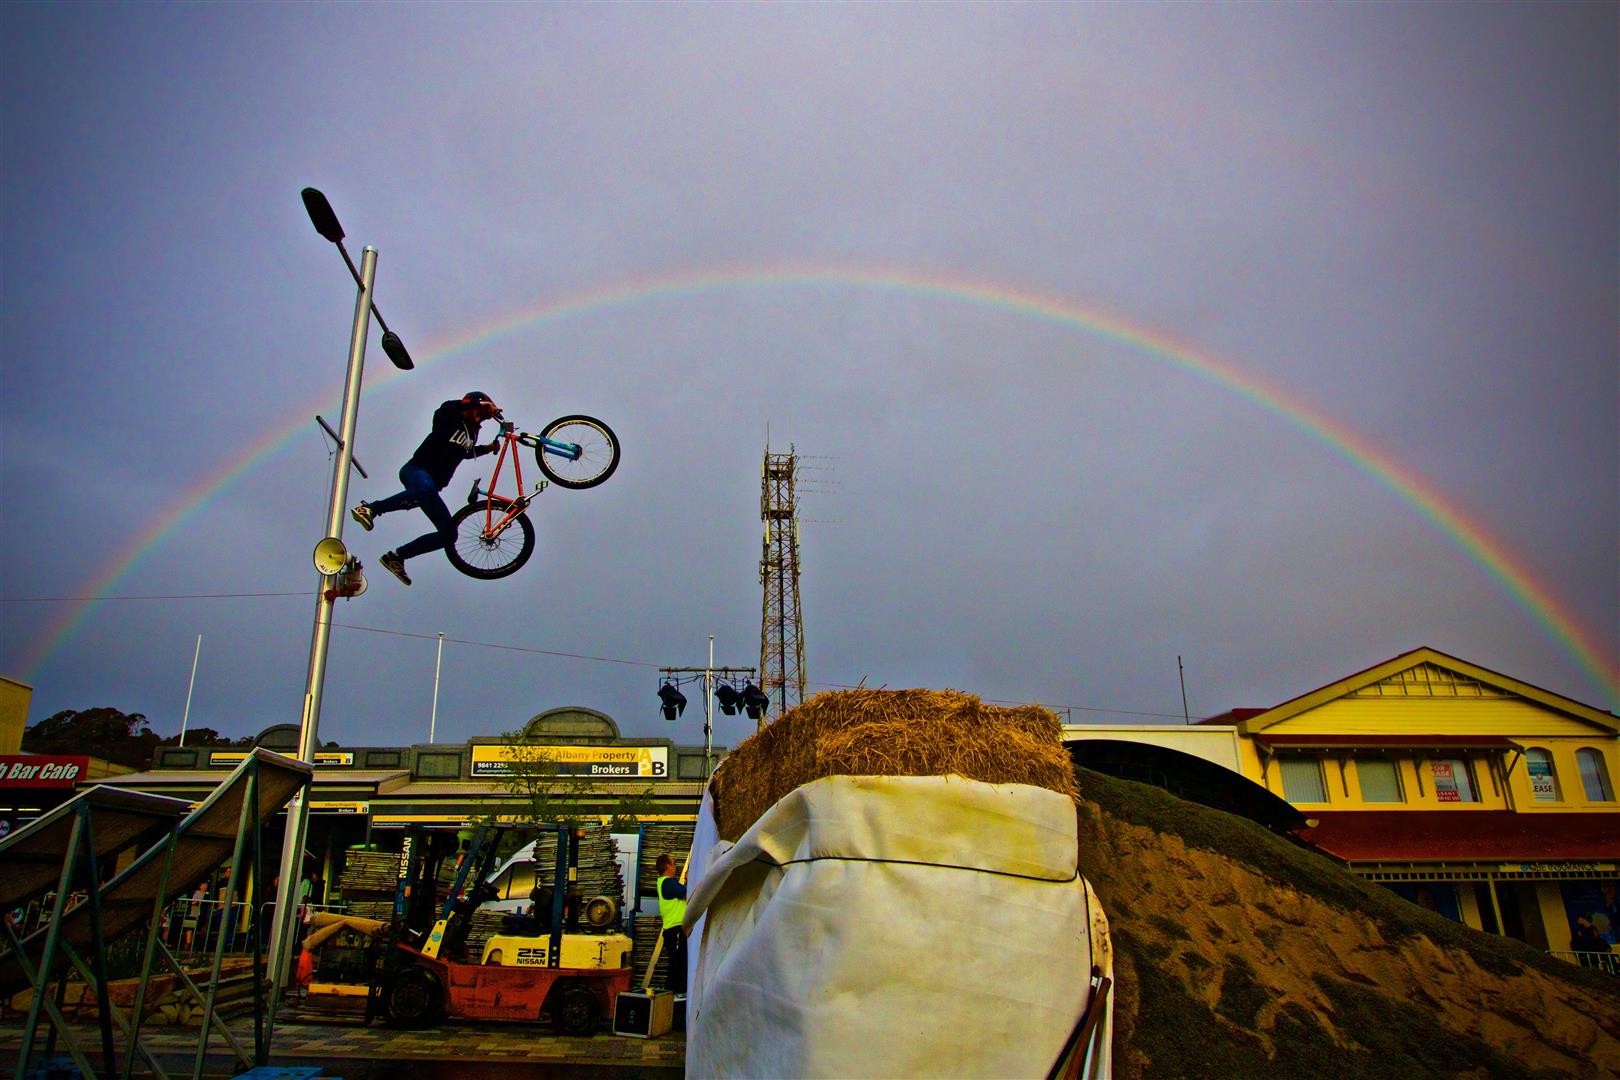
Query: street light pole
x=292 y=849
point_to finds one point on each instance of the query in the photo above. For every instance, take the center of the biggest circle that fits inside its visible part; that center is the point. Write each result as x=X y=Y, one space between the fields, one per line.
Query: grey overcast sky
x=1280 y=337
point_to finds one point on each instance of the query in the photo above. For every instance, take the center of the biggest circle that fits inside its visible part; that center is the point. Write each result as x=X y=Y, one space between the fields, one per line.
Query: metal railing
x=1606 y=962
x=194 y=927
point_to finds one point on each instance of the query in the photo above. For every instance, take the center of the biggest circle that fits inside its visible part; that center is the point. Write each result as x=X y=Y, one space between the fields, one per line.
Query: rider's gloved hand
x=491 y=447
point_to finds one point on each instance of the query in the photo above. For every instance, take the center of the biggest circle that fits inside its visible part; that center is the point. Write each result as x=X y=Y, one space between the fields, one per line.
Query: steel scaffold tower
x=781 y=627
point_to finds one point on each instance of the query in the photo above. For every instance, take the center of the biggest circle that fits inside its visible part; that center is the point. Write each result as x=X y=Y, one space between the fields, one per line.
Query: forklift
x=562 y=973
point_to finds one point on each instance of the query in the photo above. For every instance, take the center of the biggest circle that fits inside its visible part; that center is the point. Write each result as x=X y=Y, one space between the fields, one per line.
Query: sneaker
x=395 y=565
x=364 y=515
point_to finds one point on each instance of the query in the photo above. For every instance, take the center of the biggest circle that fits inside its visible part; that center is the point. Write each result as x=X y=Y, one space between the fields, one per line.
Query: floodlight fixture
x=755 y=701
x=730 y=698
x=674 y=702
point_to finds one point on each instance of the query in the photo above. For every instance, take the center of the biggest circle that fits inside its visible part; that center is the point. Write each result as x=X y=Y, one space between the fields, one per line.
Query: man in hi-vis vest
x=671 y=910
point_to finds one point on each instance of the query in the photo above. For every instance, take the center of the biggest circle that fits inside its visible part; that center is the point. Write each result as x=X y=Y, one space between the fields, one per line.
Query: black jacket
x=452 y=440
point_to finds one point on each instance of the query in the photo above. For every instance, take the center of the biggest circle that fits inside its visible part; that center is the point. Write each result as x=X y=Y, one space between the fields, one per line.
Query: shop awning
x=1464 y=836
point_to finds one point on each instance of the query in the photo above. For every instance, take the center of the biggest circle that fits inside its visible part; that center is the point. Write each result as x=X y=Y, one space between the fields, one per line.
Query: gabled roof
x=1499 y=684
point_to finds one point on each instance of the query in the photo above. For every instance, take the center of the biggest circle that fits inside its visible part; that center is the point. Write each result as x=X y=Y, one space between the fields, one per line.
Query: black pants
x=675 y=950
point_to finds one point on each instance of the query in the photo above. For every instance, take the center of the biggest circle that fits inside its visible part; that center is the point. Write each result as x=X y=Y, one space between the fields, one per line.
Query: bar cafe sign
x=589 y=762
x=42 y=770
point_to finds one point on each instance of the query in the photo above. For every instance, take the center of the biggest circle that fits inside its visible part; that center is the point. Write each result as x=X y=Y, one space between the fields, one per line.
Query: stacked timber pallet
x=656 y=840
x=674 y=840
x=369 y=872
x=647 y=930
x=382 y=910
x=598 y=871
x=485 y=925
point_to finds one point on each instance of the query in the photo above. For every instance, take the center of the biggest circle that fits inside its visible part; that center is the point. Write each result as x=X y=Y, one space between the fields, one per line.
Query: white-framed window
x=1380 y=780
x=1543 y=777
x=1453 y=780
x=1302 y=780
x=1594 y=775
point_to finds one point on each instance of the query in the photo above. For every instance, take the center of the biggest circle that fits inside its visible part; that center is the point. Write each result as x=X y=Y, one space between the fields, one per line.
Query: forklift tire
x=575 y=1010
x=414 y=1000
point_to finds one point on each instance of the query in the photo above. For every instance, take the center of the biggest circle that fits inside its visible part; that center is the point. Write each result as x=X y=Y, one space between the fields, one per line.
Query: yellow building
x=14 y=700
x=1471 y=792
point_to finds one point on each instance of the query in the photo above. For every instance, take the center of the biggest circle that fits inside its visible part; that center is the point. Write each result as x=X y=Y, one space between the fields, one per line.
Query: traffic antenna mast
x=781 y=627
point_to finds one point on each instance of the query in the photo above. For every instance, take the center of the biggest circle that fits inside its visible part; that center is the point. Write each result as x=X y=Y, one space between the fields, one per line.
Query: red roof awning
x=1464 y=836
x=1387 y=742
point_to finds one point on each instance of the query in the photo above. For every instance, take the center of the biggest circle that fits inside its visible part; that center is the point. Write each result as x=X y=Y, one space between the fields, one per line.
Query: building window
x=1452 y=780
x=1380 y=780
x=1302 y=780
x=1594 y=775
x=1543 y=778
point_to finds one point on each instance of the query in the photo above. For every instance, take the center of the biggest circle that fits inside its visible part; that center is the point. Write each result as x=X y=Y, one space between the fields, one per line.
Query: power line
x=509 y=648
x=166 y=596
x=497 y=645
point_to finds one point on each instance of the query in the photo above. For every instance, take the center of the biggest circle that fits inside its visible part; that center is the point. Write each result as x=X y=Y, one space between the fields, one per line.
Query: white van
x=514 y=879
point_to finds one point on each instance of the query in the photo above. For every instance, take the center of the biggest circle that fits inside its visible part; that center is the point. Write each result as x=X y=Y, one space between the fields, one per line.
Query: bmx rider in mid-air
x=454 y=439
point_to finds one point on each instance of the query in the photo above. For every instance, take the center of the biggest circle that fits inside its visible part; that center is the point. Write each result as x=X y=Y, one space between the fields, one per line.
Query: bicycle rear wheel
x=598 y=452
x=488 y=557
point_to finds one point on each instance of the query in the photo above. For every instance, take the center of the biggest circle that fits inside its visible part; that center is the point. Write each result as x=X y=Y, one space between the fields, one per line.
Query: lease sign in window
x=1451 y=783
x=1543 y=783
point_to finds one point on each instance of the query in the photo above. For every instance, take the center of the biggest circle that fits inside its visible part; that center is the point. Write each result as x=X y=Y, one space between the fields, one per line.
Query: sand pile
x=889 y=733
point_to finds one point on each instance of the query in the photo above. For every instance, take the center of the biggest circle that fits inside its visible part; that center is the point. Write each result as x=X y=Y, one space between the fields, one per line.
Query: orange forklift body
x=497 y=992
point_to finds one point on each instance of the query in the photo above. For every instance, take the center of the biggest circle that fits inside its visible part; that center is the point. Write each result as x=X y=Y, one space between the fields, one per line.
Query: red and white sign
x=42 y=770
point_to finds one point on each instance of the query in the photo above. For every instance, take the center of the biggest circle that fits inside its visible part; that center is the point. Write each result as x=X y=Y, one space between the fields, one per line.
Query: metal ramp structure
x=67 y=847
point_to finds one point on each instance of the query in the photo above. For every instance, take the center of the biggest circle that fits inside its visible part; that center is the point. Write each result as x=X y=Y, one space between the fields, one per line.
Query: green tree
x=102 y=732
x=548 y=793
x=206 y=736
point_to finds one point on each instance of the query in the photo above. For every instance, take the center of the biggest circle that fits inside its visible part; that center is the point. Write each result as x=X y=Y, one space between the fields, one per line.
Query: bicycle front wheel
x=598 y=452
x=478 y=554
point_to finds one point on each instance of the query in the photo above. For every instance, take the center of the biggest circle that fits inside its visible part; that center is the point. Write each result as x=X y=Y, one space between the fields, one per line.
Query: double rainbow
x=1535 y=599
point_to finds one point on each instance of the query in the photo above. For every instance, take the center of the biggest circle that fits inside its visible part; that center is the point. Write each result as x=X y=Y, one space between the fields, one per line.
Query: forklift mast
x=464 y=899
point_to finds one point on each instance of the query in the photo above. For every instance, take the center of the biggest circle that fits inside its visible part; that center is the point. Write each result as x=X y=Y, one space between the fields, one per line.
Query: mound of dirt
x=1239 y=954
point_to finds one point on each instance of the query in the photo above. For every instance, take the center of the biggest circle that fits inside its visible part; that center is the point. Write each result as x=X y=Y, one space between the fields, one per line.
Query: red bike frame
x=500 y=511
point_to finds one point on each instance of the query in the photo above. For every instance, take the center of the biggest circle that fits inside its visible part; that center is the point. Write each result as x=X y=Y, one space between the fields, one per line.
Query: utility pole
x=781 y=627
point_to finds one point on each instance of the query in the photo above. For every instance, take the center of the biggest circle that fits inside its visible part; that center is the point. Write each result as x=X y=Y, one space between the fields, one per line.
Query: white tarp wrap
x=892 y=926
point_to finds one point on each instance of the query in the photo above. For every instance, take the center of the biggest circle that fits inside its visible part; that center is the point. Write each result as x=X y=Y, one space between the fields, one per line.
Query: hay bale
x=889 y=733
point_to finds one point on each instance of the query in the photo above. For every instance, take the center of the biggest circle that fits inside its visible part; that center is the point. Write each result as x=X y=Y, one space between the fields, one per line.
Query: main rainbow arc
x=1533 y=597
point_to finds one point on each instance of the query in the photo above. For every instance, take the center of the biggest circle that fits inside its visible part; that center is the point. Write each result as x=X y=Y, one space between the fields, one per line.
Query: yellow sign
x=592 y=762
x=339 y=807
x=322 y=757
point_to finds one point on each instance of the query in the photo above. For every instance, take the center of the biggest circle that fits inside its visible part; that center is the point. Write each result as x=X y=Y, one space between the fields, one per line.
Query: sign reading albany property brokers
x=322 y=757
x=594 y=762
x=42 y=770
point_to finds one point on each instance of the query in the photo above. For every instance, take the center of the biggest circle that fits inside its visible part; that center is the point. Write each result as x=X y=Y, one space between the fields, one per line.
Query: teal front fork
x=569 y=450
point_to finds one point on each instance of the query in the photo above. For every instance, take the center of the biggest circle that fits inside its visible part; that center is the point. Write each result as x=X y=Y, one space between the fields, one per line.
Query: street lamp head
x=321 y=214
x=395 y=349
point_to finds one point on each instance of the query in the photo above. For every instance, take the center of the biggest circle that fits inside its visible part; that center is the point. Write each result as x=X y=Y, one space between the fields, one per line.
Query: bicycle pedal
x=541 y=486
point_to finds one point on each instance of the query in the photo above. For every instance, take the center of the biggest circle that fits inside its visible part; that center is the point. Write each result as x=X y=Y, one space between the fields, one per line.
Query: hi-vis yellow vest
x=672 y=910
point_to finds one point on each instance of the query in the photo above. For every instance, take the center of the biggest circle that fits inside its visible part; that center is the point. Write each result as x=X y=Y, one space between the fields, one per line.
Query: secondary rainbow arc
x=1533 y=597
